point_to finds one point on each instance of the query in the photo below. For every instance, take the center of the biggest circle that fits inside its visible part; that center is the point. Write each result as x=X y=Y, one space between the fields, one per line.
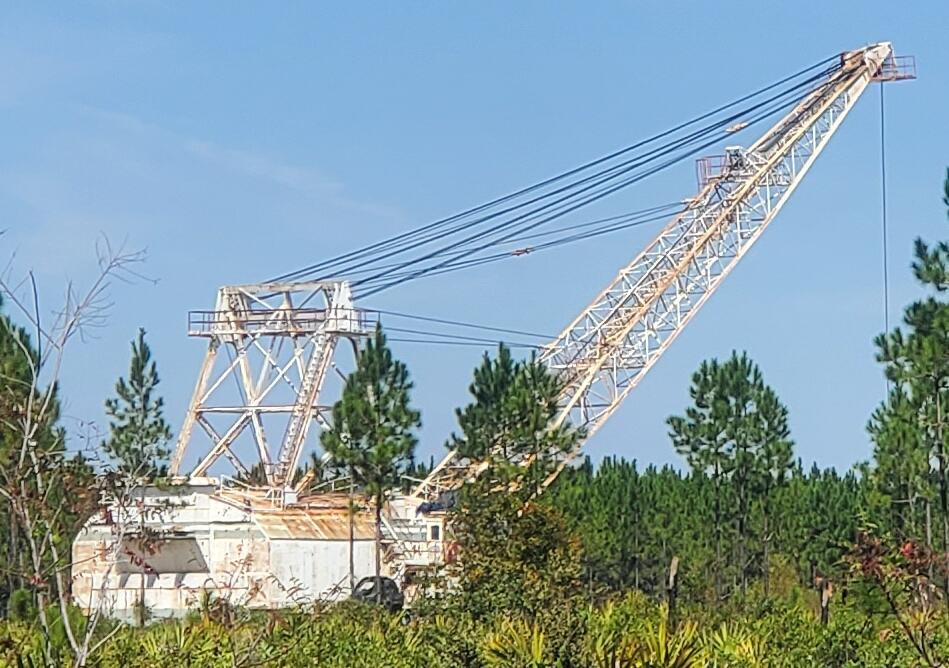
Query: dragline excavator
x=270 y=354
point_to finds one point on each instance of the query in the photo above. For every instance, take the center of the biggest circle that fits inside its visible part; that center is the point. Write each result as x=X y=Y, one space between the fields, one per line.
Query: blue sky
x=237 y=141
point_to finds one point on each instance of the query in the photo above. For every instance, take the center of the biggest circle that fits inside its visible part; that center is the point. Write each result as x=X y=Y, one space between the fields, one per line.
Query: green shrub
x=623 y=631
x=21 y=607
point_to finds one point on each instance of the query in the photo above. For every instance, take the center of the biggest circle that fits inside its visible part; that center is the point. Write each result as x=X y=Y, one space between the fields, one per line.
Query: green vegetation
x=507 y=426
x=44 y=491
x=746 y=559
x=737 y=434
x=139 y=435
x=632 y=523
x=626 y=631
x=518 y=557
x=372 y=437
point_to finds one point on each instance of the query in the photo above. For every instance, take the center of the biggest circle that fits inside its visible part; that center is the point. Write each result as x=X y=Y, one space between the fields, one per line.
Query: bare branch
x=30 y=484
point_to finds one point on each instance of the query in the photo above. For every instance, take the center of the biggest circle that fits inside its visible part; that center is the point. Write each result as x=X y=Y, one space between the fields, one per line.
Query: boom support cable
x=473 y=344
x=563 y=204
x=457 y=263
x=460 y=323
x=603 y=192
x=885 y=241
x=630 y=218
x=411 y=239
x=568 y=194
x=886 y=268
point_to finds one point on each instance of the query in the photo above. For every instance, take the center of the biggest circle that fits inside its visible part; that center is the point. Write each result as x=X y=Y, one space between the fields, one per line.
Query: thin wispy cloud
x=258 y=165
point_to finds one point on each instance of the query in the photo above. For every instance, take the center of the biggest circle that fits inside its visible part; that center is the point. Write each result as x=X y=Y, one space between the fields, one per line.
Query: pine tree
x=373 y=423
x=735 y=431
x=771 y=436
x=255 y=476
x=812 y=519
x=139 y=434
x=815 y=518
x=901 y=457
x=518 y=555
x=917 y=360
x=484 y=421
x=510 y=421
x=700 y=436
x=15 y=363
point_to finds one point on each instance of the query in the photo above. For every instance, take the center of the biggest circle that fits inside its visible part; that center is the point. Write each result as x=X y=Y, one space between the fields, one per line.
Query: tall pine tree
x=484 y=422
x=916 y=359
x=770 y=435
x=517 y=555
x=139 y=435
x=902 y=469
x=701 y=437
x=373 y=427
x=736 y=432
x=509 y=422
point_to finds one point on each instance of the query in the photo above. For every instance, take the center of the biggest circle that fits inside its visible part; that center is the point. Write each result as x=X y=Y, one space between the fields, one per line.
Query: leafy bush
x=21 y=607
x=624 y=631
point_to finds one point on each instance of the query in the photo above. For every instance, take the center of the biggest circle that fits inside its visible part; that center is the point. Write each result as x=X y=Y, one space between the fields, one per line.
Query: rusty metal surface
x=309 y=523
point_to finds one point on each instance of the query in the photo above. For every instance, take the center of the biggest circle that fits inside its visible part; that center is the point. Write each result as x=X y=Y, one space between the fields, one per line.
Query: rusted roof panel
x=314 y=524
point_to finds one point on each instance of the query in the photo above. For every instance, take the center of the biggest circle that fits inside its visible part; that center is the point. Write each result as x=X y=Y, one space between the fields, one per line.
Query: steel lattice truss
x=604 y=353
x=270 y=348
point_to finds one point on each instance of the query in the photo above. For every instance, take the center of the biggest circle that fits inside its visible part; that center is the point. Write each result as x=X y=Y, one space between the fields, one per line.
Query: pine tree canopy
x=737 y=432
x=138 y=433
x=484 y=422
x=736 y=425
x=373 y=422
x=911 y=442
x=511 y=417
x=19 y=362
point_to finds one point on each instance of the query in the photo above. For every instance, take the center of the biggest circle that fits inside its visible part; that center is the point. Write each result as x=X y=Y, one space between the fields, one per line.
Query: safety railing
x=897 y=68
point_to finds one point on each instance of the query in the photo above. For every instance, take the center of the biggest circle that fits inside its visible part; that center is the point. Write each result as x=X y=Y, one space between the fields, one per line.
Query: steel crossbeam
x=273 y=343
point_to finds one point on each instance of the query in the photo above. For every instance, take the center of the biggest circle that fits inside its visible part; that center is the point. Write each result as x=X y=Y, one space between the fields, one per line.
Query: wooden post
x=672 y=591
x=140 y=613
x=929 y=534
x=826 y=591
x=352 y=534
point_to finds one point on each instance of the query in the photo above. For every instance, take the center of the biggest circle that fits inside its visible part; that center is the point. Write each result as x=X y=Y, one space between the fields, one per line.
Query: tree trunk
x=825 y=593
x=378 y=582
x=929 y=533
x=672 y=591
x=718 y=535
x=742 y=558
x=636 y=556
x=140 y=613
x=742 y=527
x=14 y=557
x=352 y=535
x=943 y=484
x=589 y=570
x=911 y=501
x=766 y=571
